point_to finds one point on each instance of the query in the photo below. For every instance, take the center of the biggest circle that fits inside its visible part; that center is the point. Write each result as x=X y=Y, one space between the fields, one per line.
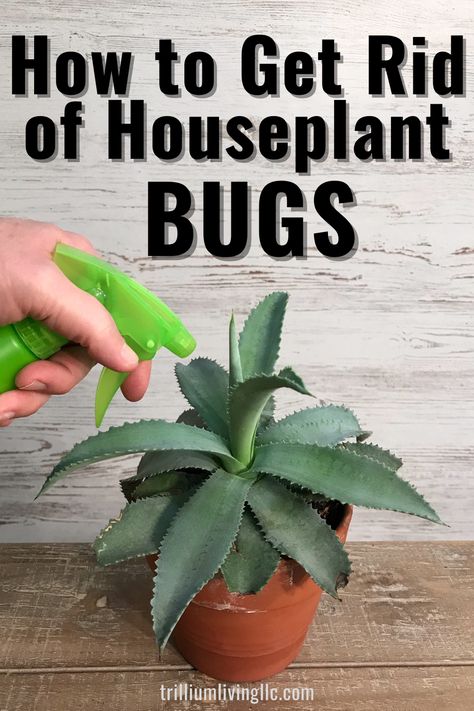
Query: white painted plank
x=388 y=332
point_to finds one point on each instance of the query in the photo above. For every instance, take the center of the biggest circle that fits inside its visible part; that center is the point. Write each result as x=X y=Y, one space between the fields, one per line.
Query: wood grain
x=78 y=637
x=388 y=332
x=406 y=602
x=334 y=690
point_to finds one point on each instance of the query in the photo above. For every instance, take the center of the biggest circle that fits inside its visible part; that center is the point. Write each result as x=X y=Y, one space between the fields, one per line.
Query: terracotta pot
x=236 y=637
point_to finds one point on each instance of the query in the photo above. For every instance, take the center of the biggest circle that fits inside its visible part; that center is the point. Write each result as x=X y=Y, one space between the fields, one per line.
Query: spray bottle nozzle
x=145 y=322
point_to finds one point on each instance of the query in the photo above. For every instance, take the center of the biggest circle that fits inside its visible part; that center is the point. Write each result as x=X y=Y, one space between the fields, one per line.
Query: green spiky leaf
x=128 y=486
x=253 y=560
x=290 y=374
x=195 y=546
x=235 y=366
x=205 y=384
x=138 y=530
x=131 y=438
x=167 y=484
x=296 y=530
x=158 y=465
x=326 y=425
x=260 y=338
x=383 y=456
x=169 y=460
x=343 y=475
x=246 y=404
x=267 y=416
x=191 y=417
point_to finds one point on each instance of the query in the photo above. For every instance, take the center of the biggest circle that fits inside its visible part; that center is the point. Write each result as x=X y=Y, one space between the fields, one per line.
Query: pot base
x=237 y=669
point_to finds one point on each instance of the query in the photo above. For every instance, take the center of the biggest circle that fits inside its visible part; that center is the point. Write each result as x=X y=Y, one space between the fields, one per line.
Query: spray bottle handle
x=144 y=321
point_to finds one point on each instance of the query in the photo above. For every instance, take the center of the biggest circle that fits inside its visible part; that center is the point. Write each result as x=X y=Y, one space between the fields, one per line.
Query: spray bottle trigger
x=109 y=382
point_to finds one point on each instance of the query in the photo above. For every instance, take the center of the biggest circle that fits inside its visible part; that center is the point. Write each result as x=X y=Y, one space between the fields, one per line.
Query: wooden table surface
x=76 y=636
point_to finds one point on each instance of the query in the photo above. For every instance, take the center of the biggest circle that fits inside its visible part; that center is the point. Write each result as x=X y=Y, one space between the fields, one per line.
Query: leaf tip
x=342 y=580
x=47 y=484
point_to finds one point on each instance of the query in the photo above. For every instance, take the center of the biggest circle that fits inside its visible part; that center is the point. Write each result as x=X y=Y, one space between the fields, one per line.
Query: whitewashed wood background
x=389 y=332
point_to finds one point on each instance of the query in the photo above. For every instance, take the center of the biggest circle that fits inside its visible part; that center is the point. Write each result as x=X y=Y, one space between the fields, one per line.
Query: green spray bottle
x=145 y=322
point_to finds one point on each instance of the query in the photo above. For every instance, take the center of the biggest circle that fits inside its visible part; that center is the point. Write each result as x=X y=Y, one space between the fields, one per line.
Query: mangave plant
x=229 y=489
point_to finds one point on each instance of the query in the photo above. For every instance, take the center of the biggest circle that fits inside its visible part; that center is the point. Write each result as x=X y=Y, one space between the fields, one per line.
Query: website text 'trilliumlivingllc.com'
x=225 y=694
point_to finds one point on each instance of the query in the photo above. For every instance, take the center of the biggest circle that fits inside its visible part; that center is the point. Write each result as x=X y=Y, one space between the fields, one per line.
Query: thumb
x=80 y=318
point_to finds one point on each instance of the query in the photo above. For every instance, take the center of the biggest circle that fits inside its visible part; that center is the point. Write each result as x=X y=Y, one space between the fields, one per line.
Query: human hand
x=32 y=285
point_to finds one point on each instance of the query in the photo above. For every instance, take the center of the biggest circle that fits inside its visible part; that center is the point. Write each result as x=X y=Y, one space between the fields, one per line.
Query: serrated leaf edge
x=79 y=462
x=301 y=428
x=257 y=376
x=162 y=646
x=183 y=365
x=272 y=293
x=375 y=508
x=139 y=477
x=113 y=521
x=318 y=407
x=343 y=445
x=329 y=592
x=269 y=542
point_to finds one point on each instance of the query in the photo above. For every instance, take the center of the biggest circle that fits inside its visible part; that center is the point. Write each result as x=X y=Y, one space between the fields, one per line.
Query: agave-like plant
x=227 y=488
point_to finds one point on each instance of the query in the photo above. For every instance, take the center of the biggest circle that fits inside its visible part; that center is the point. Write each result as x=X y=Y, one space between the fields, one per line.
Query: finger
x=137 y=382
x=51 y=235
x=59 y=374
x=17 y=403
x=76 y=240
x=80 y=318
